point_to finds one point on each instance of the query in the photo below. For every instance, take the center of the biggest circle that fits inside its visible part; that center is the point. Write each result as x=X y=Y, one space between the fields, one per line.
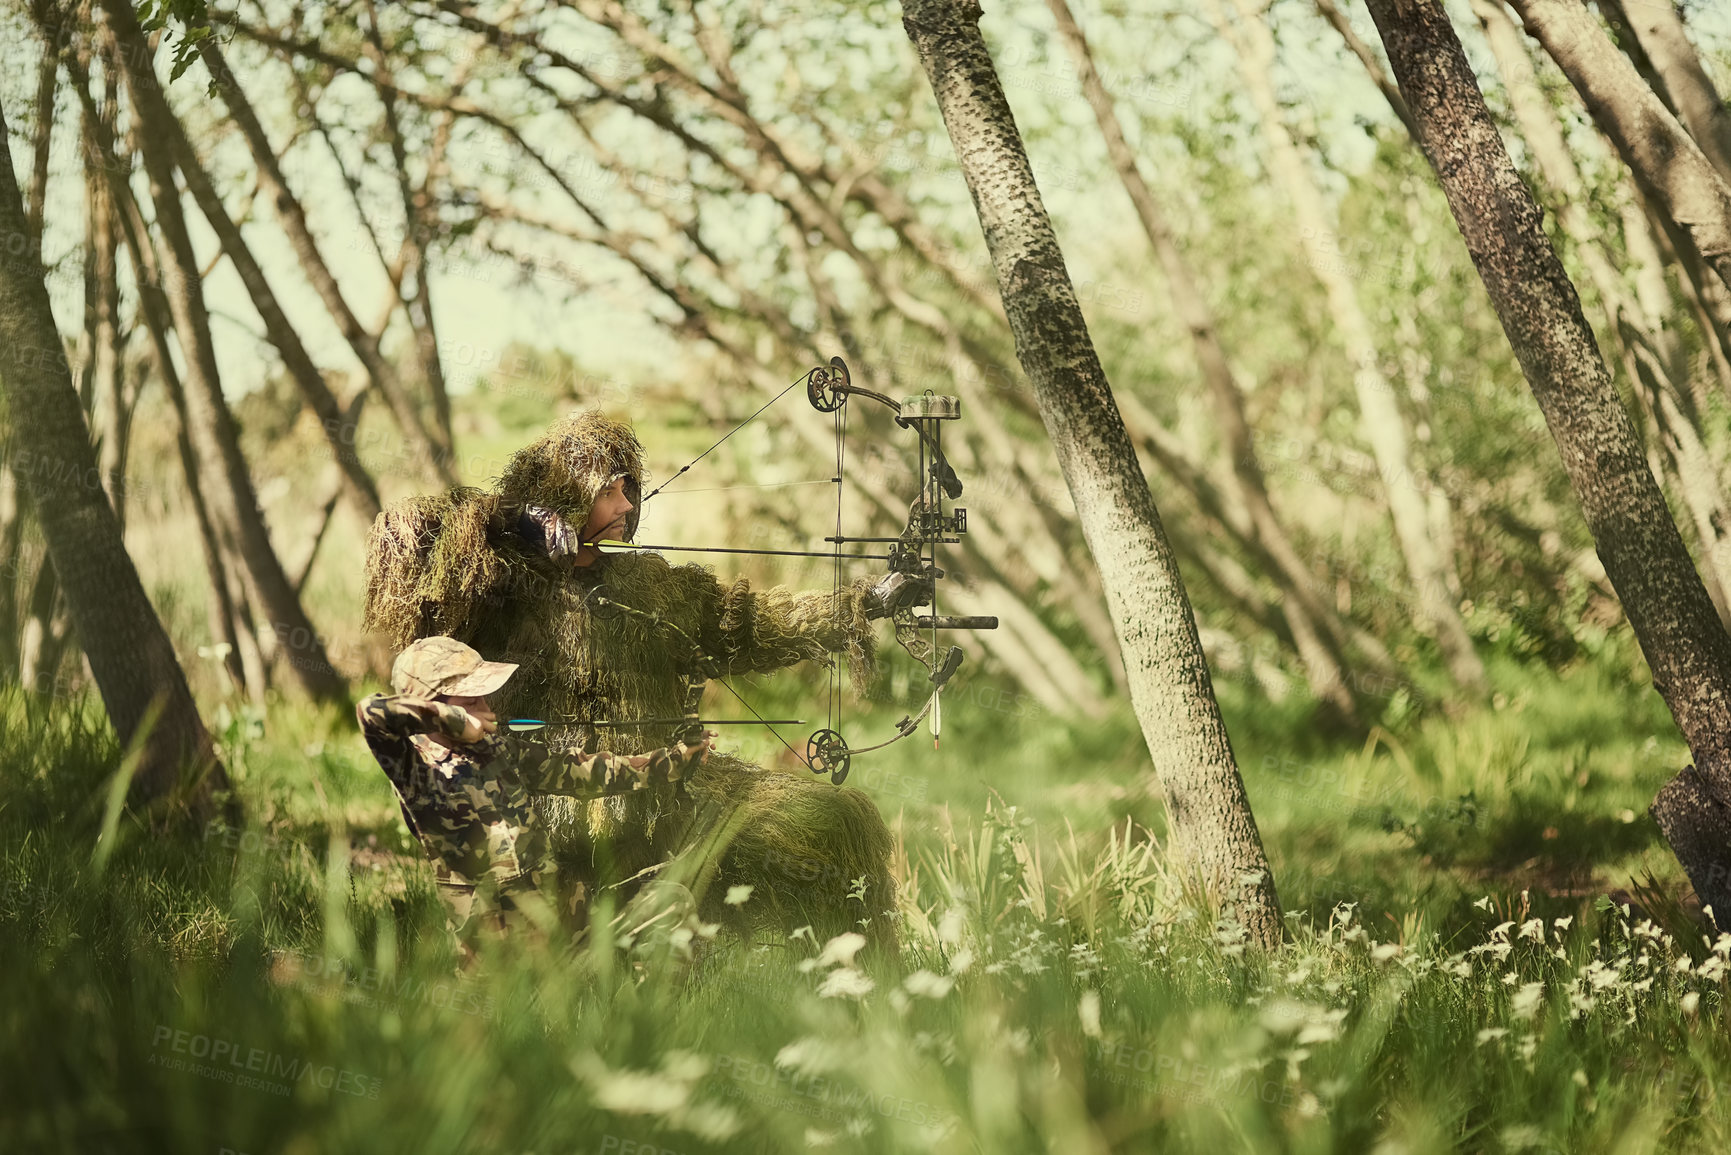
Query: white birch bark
x=1211 y=826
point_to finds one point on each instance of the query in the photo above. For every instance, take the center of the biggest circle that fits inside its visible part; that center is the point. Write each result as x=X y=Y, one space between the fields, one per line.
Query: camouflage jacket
x=468 y=804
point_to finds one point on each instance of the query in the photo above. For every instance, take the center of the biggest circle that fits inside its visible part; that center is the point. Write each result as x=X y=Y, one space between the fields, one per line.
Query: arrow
x=522 y=724
x=607 y=545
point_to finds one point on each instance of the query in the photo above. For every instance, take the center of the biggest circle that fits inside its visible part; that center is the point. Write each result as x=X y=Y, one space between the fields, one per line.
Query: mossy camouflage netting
x=454 y=563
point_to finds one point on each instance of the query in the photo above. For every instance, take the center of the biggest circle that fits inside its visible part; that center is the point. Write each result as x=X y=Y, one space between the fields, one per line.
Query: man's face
x=606 y=521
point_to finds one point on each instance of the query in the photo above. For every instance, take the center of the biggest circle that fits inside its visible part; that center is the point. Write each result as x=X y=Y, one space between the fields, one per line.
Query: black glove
x=546 y=532
x=898 y=591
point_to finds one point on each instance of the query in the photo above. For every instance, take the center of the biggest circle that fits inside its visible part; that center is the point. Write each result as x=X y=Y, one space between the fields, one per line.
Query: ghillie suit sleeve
x=753 y=631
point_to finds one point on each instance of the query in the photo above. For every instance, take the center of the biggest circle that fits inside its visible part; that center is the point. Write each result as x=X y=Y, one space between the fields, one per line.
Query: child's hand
x=478 y=719
x=474 y=729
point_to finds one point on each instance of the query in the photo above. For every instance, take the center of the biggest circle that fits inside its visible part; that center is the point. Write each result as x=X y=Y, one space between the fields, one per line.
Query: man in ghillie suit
x=627 y=636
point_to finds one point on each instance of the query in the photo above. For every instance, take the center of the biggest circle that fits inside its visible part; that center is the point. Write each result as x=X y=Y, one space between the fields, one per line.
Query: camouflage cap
x=441 y=665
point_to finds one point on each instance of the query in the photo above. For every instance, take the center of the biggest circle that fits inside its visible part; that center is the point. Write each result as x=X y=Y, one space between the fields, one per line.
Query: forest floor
x=1486 y=951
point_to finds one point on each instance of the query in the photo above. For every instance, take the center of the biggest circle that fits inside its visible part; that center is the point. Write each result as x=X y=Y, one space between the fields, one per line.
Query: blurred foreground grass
x=1456 y=978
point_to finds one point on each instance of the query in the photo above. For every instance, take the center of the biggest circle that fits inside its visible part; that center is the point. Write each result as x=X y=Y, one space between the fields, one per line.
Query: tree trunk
x=233 y=502
x=1683 y=84
x=358 y=484
x=418 y=304
x=41 y=144
x=1653 y=355
x=111 y=416
x=292 y=216
x=12 y=511
x=1323 y=667
x=1382 y=424
x=11 y=556
x=1663 y=156
x=154 y=308
x=130 y=655
x=1644 y=556
x=1212 y=829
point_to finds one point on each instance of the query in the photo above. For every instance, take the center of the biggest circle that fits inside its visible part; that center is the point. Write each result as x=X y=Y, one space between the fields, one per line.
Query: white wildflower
x=1088 y=1010
x=667 y=1093
x=1563 y=923
x=1690 y=1002
x=1385 y=951
x=847 y=983
x=1322 y=1029
x=1533 y=928
x=841 y=949
x=927 y=985
x=1521 y=1136
x=737 y=895
x=950 y=926
x=1501 y=930
x=1527 y=1000
x=811 y=1055
x=961 y=961
x=1483 y=903
x=1491 y=1034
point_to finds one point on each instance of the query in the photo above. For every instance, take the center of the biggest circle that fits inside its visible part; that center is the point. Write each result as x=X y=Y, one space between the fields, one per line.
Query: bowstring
x=723 y=683
x=687 y=466
x=840 y=448
x=833 y=717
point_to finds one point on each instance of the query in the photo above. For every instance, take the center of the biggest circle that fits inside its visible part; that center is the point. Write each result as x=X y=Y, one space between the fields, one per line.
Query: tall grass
x=1456 y=978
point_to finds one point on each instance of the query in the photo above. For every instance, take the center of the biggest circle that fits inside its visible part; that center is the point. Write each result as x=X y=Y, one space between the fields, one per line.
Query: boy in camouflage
x=464 y=785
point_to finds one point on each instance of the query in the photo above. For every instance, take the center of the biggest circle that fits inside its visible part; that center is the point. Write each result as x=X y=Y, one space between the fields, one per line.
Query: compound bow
x=911 y=555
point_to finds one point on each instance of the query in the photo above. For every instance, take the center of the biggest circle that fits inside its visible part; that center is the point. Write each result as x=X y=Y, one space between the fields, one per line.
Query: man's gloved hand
x=898 y=591
x=547 y=532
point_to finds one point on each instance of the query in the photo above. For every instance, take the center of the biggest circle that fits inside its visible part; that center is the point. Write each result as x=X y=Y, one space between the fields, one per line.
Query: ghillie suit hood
x=432 y=560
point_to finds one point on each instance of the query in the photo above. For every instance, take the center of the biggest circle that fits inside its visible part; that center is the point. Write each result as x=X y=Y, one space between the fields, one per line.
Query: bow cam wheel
x=827 y=750
x=821 y=386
